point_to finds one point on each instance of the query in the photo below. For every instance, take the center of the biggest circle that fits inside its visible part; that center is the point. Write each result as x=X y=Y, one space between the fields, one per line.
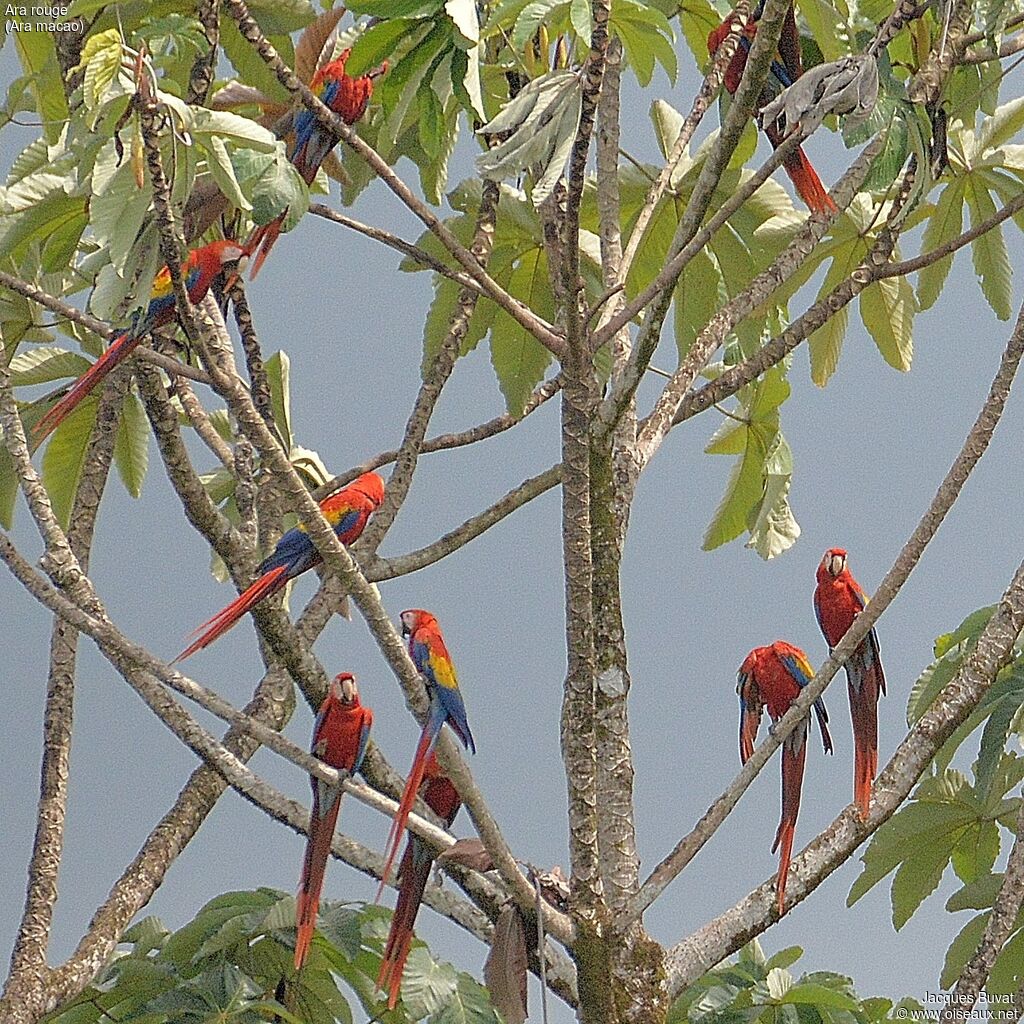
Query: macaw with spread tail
x=199 y=271
x=431 y=658
x=786 y=68
x=838 y=600
x=347 y=511
x=772 y=677
x=340 y=734
x=307 y=142
x=413 y=873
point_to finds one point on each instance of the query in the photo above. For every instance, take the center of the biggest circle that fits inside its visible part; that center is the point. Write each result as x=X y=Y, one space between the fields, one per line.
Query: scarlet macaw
x=838 y=600
x=773 y=677
x=199 y=272
x=340 y=734
x=347 y=511
x=307 y=142
x=785 y=69
x=430 y=656
x=414 y=871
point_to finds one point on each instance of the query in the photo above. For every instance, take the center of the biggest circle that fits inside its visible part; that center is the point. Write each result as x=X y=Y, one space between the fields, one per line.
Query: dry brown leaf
x=505 y=967
x=312 y=41
x=469 y=853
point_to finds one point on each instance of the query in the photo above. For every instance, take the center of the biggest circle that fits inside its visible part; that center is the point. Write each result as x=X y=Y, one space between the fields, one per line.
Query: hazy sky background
x=869 y=452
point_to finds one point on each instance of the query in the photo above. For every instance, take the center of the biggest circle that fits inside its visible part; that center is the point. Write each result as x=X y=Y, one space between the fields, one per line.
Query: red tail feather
x=308 y=899
x=807 y=183
x=412 y=787
x=864 y=712
x=414 y=879
x=269 y=583
x=120 y=348
x=792 y=782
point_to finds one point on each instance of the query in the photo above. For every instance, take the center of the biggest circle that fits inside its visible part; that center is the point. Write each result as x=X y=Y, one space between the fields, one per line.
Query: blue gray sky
x=869 y=452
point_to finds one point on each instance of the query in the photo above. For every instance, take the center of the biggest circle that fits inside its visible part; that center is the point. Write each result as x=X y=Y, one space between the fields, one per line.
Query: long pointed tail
x=794 y=754
x=307 y=903
x=414 y=873
x=864 y=684
x=261 y=241
x=807 y=183
x=269 y=583
x=119 y=349
x=803 y=175
x=412 y=786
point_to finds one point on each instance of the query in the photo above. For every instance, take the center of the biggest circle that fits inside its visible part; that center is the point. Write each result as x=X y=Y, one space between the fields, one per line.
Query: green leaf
x=518 y=358
x=988 y=251
x=945 y=223
x=278 y=368
x=222 y=124
x=961 y=949
x=101 y=57
x=64 y=459
x=45 y=364
x=131 y=446
x=742 y=492
x=825 y=345
x=8 y=488
x=820 y=995
x=775 y=528
x=925 y=828
x=427 y=986
x=970 y=629
x=646 y=36
x=887 y=308
x=976 y=851
x=980 y=894
x=38 y=55
x=695 y=299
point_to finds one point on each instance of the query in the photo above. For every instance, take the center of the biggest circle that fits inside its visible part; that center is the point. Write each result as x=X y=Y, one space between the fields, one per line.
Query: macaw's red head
x=371 y=486
x=414 y=619
x=833 y=564
x=218 y=256
x=344 y=689
x=350 y=99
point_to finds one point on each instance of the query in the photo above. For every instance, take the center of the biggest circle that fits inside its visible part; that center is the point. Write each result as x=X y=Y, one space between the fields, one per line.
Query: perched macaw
x=838 y=600
x=430 y=656
x=307 y=142
x=772 y=677
x=199 y=272
x=339 y=739
x=413 y=873
x=347 y=511
x=785 y=69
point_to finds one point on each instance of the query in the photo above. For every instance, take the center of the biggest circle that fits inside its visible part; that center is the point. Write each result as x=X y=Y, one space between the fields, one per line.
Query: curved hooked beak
x=836 y=564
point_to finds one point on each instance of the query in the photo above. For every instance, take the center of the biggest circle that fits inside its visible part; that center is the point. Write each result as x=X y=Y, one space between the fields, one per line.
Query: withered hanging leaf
x=505 y=967
x=469 y=853
x=542 y=120
x=845 y=86
x=309 y=50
